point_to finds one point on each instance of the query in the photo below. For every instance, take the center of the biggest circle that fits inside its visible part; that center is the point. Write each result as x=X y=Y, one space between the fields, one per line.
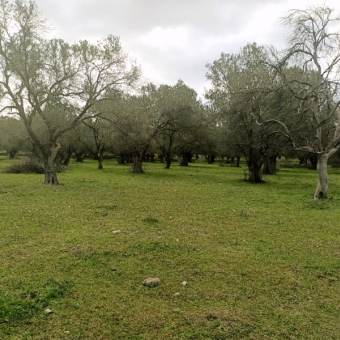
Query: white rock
x=152 y=281
x=116 y=232
x=177 y=294
x=48 y=311
x=184 y=283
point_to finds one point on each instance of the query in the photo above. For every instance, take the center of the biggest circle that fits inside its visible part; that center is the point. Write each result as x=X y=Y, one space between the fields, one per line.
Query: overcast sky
x=174 y=39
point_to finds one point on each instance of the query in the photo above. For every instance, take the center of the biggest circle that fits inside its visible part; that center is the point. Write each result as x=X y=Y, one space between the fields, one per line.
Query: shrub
x=27 y=165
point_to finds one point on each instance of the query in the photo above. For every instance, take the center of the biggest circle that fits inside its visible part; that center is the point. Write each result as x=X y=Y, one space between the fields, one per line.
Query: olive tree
x=13 y=136
x=131 y=131
x=314 y=49
x=242 y=88
x=39 y=78
x=176 y=120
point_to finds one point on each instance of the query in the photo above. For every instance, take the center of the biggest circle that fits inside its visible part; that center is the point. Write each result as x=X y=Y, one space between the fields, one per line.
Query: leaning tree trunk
x=322 y=187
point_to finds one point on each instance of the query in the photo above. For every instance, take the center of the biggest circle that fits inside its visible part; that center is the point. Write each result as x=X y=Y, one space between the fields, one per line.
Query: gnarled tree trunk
x=49 y=164
x=322 y=187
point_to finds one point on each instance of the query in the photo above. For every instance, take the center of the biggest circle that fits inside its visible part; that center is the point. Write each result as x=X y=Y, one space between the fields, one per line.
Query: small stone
x=115 y=232
x=152 y=282
x=67 y=332
x=184 y=283
x=48 y=311
x=177 y=294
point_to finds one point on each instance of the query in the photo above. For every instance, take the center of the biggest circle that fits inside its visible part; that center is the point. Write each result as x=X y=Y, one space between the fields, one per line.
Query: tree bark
x=269 y=165
x=12 y=153
x=322 y=187
x=100 y=154
x=210 y=159
x=49 y=164
x=184 y=159
x=313 y=161
x=79 y=156
x=168 y=161
x=68 y=156
x=254 y=166
x=137 y=165
x=238 y=159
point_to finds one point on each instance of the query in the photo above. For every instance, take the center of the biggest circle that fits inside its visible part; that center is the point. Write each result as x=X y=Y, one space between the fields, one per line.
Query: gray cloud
x=172 y=39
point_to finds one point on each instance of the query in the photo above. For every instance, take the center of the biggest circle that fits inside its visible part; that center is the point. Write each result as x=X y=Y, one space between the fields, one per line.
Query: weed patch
x=30 y=302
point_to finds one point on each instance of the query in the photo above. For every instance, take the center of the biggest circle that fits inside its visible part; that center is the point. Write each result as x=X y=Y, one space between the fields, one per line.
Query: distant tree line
x=60 y=99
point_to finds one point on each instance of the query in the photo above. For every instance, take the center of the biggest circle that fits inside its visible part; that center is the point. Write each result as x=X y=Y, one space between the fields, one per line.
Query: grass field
x=260 y=261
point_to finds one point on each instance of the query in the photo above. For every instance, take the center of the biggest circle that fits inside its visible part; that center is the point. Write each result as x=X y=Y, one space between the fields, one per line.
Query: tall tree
x=40 y=78
x=177 y=119
x=241 y=89
x=314 y=49
x=131 y=129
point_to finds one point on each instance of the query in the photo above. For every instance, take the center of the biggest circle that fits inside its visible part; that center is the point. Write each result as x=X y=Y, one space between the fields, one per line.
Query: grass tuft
x=30 y=302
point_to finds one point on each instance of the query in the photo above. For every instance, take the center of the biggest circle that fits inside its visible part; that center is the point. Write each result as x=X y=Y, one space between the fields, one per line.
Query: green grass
x=261 y=261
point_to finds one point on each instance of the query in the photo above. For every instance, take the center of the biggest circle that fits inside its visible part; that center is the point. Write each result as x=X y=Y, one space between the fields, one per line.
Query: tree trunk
x=100 y=157
x=255 y=173
x=12 y=153
x=79 y=156
x=254 y=165
x=121 y=158
x=168 y=161
x=137 y=166
x=210 y=159
x=322 y=187
x=313 y=161
x=184 y=160
x=269 y=166
x=49 y=164
x=51 y=177
x=68 y=156
x=303 y=161
x=50 y=172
